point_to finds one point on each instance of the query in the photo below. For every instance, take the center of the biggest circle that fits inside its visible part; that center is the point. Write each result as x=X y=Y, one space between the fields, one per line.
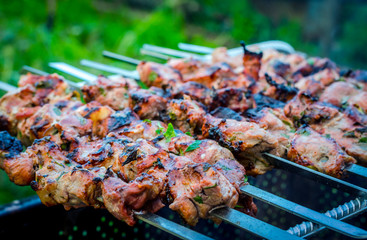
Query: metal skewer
x=272 y=44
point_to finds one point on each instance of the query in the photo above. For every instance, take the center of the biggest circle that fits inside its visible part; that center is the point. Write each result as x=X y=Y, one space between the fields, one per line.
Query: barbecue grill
x=282 y=204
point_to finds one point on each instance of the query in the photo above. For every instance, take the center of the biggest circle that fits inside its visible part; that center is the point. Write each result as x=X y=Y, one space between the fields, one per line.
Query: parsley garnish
x=350 y=134
x=58 y=178
x=198 y=199
x=245 y=178
x=152 y=76
x=193 y=146
x=142 y=85
x=82 y=120
x=170 y=133
x=188 y=134
x=304 y=132
x=159 y=130
x=363 y=140
x=147 y=121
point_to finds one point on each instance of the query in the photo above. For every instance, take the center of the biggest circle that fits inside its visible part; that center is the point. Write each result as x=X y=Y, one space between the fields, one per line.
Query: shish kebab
x=91 y=155
x=314 y=115
x=123 y=204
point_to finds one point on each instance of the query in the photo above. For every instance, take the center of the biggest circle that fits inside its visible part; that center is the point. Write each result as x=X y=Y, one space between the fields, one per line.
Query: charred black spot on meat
x=120 y=119
x=36 y=128
x=263 y=101
x=223 y=112
x=158 y=163
x=249 y=53
x=130 y=152
x=4 y=123
x=360 y=75
x=283 y=92
x=92 y=110
x=281 y=68
x=72 y=155
x=61 y=104
x=46 y=84
x=9 y=146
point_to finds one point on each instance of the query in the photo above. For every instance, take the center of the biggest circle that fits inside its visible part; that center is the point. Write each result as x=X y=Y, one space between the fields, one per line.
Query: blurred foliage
x=83 y=29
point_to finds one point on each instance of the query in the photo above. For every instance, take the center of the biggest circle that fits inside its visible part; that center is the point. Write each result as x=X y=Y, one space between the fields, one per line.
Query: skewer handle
x=342 y=212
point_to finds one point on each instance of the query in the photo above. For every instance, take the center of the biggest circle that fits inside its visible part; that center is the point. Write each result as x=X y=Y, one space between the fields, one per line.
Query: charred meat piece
x=34 y=92
x=279 y=91
x=186 y=115
x=196 y=91
x=245 y=139
x=147 y=103
x=233 y=98
x=198 y=188
x=251 y=62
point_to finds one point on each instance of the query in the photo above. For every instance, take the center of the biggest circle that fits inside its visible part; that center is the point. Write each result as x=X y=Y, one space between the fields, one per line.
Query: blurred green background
x=36 y=32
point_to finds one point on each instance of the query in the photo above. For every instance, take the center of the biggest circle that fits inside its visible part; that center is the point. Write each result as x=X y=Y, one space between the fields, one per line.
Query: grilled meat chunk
x=313 y=150
x=198 y=188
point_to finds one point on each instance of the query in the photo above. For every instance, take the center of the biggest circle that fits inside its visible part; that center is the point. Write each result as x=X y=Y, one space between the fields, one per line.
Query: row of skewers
x=187 y=137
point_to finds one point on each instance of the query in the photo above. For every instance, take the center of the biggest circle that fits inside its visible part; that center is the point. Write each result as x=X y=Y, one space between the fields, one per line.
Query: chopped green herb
x=245 y=178
x=188 y=134
x=78 y=94
x=287 y=123
x=311 y=61
x=58 y=178
x=180 y=152
x=142 y=85
x=158 y=131
x=225 y=168
x=363 y=140
x=359 y=109
x=152 y=76
x=57 y=163
x=147 y=121
x=350 y=134
x=233 y=138
x=193 y=146
x=65 y=146
x=198 y=199
x=170 y=133
x=172 y=116
x=57 y=111
x=312 y=167
x=82 y=120
x=327 y=135
x=304 y=132
x=102 y=91
x=344 y=102
x=206 y=167
x=211 y=186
